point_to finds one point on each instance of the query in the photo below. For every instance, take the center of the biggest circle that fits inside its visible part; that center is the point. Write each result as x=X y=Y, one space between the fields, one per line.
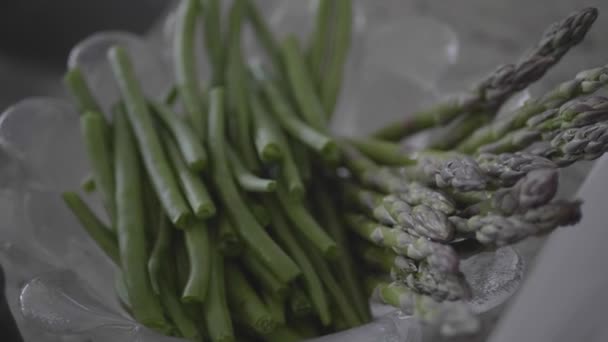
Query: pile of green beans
x=219 y=216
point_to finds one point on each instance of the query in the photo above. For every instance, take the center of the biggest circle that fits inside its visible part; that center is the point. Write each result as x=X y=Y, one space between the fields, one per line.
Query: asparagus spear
x=585 y=82
x=492 y=91
x=554 y=44
x=453 y=317
x=392 y=210
x=495 y=229
x=388 y=181
x=536 y=188
x=434 y=168
x=437 y=255
x=508 y=168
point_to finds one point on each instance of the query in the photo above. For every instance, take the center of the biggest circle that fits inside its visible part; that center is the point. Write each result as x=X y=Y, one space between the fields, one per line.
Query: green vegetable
x=249 y=230
x=148 y=140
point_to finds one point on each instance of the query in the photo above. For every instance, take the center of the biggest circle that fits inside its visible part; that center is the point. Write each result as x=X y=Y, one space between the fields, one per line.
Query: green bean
x=121 y=291
x=331 y=284
x=197 y=245
x=302 y=159
x=299 y=303
x=267 y=135
x=344 y=264
x=182 y=264
x=307 y=327
x=320 y=45
x=245 y=304
x=263 y=33
x=247 y=180
x=283 y=334
x=130 y=228
x=211 y=13
x=171 y=96
x=189 y=144
x=302 y=86
x=97 y=141
x=78 y=87
x=285 y=115
x=154 y=158
x=237 y=92
x=88 y=184
x=268 y=281
x=229 y=243
x=185 y=64
x=259 y=211
x=97 y=230
x=275 y=305
x=217 y=314
x=330 y=87
x=191 y=184
x=306 y=225
x=186 y=326
x=160 y=252
x=272 y=145
x=248 y=228
x=314 y=287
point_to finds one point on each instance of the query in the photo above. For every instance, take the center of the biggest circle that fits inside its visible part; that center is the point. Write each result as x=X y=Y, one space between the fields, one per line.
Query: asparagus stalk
x=494 y=90
x=554 y=44
x=392 y=210
x=495 y=229
x=388 y=181
x=434 y=168
x=452 y=317
x=585 y=82
x=437 y=255
x=536 y=188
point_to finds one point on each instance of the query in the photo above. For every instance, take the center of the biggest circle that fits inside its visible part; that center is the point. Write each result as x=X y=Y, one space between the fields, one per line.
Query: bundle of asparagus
x=235 y=220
